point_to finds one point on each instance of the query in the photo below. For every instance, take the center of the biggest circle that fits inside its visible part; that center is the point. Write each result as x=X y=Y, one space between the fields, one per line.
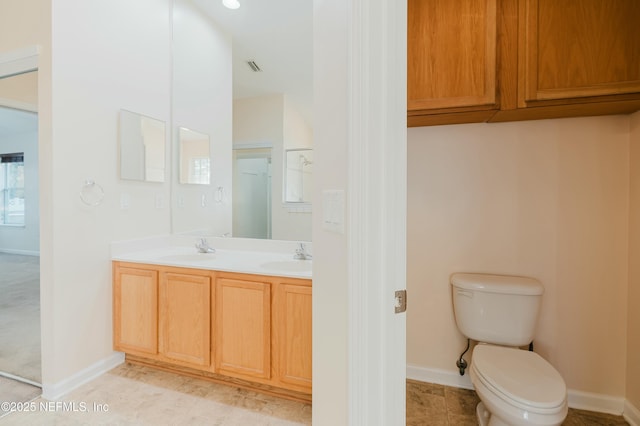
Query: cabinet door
x=293 y=328
x=578 y=48
x=135 y=310
x=243 y=328
x=185 y=317
x=451 y=48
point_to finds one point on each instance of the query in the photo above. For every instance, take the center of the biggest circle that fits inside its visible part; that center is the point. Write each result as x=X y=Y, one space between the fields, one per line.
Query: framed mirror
x=195 y=157
x=142 y=147
x=298 y=175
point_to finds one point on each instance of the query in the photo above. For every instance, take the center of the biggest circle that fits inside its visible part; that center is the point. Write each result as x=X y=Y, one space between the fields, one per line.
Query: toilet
x=516 y=387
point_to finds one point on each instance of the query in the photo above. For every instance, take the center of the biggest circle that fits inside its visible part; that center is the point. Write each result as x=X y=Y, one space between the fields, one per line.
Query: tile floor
x=137 y=395
x=437 y=405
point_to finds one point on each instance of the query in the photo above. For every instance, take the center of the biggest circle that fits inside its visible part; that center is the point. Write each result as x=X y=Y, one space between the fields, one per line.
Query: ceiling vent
x=254 y=67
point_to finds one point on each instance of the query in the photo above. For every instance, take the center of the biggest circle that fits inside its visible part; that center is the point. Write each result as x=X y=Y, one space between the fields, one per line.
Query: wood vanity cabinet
x=553 y=58
x=243 y=327
x=185 y=318
x=135 y=310
x=162 y=313
x=292 y=334
x=253 y=328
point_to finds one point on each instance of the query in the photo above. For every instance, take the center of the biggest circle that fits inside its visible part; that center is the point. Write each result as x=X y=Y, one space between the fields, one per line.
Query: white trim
x=376 y=200
x=56 y=391
x=577 y=399
x=595 y=402
x=631 y=414
x=23 y=106
x=22 y=252
x=438 y=376
x=252 y=145
x=19 y=61
x=20 y=379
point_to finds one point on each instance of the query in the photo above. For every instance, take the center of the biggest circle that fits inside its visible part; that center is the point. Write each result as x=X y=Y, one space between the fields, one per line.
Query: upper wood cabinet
x=451 y=58
x=578 y=48
x=551 y=58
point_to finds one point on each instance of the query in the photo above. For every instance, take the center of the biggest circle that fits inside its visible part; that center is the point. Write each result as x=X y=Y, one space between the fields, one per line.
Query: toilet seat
x=521 y=378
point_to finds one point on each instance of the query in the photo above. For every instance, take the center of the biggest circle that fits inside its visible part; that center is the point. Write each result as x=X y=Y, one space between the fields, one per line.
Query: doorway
x=20 y=353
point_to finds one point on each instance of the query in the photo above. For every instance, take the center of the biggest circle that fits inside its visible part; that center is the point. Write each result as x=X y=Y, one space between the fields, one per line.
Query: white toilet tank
x=497 y=309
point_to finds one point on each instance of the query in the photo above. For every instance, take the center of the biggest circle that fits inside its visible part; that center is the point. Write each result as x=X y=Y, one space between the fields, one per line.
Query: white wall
x=24 y=239
x=546 y=199
x=202 y=101
x=108 y=56
x=330 y=263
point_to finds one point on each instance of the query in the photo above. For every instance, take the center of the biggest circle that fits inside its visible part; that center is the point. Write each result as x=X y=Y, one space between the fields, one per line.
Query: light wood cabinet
x=135 y=310
x=553 y=58
x=292 y=328
x=243 y=327
x=578 y=48
x=185 y=318
x=224 y=326
x=451 y=48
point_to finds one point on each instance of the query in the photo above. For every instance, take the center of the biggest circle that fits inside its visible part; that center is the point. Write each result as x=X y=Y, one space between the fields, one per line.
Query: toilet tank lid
x=505 y=284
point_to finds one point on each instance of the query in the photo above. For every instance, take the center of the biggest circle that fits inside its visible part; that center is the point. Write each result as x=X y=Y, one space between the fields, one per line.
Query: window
x=12 y=189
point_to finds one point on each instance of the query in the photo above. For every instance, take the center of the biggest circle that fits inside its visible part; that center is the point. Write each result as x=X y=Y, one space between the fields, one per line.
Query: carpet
x=20 y=316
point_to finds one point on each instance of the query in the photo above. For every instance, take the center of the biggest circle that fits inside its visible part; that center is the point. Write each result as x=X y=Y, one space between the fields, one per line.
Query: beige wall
x=24 y=23
x=20 y=91
x=546 y=199
x=633 y=324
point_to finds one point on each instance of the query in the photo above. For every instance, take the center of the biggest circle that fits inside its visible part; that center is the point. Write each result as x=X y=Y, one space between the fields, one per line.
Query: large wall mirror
x=195 y=157
x=263 y=104
x=298 y=172
x=142 y=147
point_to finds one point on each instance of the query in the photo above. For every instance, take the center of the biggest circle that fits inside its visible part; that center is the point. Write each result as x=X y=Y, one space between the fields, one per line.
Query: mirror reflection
x=298 y=175
x=142 y=147
x=195 y=159
x=266 y=102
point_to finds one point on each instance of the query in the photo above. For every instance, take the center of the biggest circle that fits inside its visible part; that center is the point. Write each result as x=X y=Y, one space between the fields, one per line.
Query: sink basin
x=194 y=257
x=288 y=265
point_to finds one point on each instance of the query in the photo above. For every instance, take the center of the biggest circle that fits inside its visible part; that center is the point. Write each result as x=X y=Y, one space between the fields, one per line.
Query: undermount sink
x=288 y=265
x=195 y=257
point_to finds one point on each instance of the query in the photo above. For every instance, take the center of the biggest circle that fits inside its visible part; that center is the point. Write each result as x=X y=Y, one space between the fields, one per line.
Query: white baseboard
x=55 y=391
x=22 y=252
x=596 y=402
x=577 y=399
x=440 y=377
x=631 y=414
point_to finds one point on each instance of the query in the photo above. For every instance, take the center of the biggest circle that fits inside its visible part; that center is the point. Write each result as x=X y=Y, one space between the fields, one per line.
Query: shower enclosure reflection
x=252 y=193
x=298 y=175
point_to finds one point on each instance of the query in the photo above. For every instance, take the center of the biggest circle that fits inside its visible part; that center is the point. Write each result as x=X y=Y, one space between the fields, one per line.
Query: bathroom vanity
x=236 y=317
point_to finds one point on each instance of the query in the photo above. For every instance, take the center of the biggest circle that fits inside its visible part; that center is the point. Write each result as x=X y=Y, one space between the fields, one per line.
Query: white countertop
x=232 y=255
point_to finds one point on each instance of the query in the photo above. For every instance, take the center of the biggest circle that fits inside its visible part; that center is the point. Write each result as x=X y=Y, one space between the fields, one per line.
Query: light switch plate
x=333 y=210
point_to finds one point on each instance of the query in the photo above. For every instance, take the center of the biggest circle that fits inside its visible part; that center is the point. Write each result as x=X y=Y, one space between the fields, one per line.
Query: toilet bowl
x=517 y=388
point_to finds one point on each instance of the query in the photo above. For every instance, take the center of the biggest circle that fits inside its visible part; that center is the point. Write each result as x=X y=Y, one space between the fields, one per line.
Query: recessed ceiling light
x=231 y=4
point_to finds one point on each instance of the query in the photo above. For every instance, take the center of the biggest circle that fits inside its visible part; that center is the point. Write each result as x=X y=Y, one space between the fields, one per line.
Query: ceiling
x=278 y=36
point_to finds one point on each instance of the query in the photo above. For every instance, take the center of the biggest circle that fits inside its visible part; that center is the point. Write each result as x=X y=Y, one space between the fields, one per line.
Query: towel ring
x=91 y=193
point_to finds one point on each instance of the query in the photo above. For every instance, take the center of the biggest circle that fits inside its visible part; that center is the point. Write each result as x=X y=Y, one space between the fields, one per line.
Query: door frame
x=360 y=96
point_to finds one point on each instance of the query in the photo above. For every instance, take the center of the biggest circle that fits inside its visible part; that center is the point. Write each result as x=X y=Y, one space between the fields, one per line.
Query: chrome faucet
x=302 y=254
x=204 y=247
